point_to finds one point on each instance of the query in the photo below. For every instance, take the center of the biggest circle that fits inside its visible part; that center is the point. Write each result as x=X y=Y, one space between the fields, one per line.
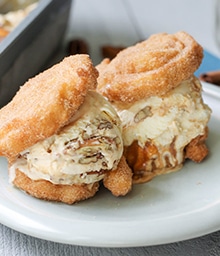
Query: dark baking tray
x=24 y=52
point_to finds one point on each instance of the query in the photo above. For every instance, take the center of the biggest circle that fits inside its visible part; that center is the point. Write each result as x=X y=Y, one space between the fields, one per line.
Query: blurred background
x=124 y=22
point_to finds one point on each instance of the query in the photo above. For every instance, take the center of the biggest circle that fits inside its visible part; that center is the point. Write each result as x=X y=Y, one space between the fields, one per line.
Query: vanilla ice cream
x=81 y=152
x=165 y=125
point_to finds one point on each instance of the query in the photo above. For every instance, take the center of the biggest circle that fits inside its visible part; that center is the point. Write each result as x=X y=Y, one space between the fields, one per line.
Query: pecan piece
x=78 y=46
x=110 y=52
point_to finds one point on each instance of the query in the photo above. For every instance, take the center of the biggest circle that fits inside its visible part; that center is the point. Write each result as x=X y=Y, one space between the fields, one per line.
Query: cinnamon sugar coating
x=45 y=103
x=46 y=190
x=152 y=67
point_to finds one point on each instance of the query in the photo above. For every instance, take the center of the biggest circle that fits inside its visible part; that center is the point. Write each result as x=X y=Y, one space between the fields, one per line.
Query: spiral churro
x=151 y=67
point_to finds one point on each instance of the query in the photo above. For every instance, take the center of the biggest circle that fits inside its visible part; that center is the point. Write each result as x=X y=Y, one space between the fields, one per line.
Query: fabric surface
x=13 y=243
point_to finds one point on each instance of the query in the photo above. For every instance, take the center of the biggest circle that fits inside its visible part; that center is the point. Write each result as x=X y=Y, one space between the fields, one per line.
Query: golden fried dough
x=197 y=150
x=45 y=103
x=119 y=181
x=152 y=67
x=48 y=191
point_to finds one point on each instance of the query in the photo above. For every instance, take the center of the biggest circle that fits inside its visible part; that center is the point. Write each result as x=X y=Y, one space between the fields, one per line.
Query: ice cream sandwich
x=159 y=100
x=61 y=138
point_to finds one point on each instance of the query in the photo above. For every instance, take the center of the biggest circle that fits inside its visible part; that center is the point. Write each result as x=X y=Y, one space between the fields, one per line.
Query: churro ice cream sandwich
x=153 y=89
x=61 y=138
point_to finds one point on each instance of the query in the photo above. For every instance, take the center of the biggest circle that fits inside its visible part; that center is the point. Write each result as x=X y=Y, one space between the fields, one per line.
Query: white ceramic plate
x=173 y=207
